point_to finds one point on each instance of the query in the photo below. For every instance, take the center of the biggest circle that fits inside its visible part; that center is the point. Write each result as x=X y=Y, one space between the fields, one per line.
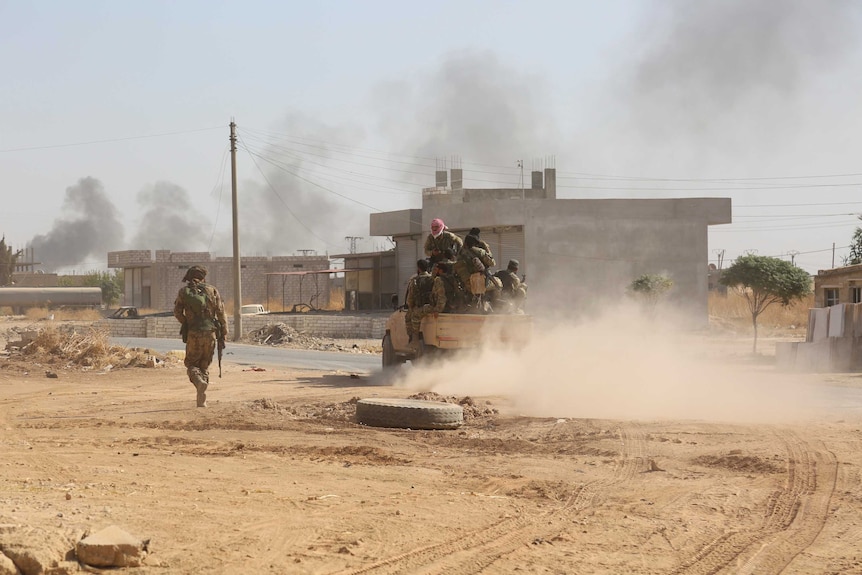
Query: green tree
x=763 y=281
x=855 y=256
x=8 y=258
x=650 y=288
x=111 y=284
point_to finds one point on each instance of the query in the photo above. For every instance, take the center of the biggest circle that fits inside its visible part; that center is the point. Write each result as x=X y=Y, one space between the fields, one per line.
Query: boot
x=202 y=395
x=198 y=379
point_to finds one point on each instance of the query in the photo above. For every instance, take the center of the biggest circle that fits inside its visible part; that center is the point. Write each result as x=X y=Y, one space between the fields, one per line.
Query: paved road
x=260 y=355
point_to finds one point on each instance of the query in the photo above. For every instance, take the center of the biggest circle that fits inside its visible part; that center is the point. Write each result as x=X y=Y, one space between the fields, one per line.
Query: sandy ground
x=275 y=476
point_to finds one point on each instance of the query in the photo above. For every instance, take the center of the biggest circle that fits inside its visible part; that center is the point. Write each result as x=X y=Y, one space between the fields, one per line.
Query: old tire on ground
x=409 y=413
x=389 y=358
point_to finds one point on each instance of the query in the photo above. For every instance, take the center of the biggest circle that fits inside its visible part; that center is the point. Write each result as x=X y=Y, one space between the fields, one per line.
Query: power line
x=107 y=141
x=286 y=205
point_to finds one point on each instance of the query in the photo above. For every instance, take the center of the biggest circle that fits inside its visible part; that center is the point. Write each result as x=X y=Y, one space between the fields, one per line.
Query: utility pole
x=793 y=254
x=720 y=256
x=833 y=255
x=352 y=240
x=521 y=165
x=237 y=277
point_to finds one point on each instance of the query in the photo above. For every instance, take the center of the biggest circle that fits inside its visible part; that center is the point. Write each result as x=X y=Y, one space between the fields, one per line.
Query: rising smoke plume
x=474 y=106
x=721 y=82
x=305 y=201
x=89 y=228
x=169 y=220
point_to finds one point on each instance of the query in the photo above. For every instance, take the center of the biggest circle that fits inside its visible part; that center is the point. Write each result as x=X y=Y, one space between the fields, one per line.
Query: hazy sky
x=116 y=111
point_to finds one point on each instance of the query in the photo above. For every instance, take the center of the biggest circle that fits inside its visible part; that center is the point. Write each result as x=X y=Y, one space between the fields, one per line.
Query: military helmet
x=195 y=273
x=513 y=264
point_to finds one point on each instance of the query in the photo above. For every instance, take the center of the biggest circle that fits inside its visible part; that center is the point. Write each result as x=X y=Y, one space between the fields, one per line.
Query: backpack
x=423 y=289
x=196 y=300
x=474 y=264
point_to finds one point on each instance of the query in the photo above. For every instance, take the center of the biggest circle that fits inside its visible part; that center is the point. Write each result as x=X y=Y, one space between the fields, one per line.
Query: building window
x=856 y=294
x=830 y=296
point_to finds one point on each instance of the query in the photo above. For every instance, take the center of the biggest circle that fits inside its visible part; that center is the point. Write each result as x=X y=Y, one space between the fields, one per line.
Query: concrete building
x=153 y=283
x=839 y=285
x=370 y=281
x=576 y=253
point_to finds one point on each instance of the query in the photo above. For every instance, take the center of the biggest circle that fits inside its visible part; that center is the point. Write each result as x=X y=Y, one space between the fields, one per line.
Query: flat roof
x=308 y=272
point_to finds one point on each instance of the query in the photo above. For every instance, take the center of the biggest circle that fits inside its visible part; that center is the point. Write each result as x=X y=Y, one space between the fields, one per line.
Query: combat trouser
x=200 y=348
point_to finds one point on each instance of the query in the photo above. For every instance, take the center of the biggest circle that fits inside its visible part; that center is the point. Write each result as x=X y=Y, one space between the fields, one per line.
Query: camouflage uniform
x=200 y=323
x=446 y=239
x=465 y=266
x=436 y=305
x=418 y=294
x=513 y=289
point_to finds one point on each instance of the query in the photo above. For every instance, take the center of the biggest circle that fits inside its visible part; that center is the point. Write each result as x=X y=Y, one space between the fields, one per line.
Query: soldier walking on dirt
x=200 y=310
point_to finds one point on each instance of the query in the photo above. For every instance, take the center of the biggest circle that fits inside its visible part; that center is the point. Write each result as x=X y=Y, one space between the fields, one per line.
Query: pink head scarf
x=437 y=227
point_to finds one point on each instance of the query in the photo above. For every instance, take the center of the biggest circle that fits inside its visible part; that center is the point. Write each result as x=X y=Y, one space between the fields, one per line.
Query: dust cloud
x=622 y=366
x=89 y=228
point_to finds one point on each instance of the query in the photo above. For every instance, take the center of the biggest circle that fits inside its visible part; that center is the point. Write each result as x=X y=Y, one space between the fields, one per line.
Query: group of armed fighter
x=456 y=277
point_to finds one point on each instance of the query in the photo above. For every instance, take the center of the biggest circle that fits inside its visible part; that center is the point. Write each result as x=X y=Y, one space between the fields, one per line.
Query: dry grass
x=90 y=348
x=731 y=313
x=37 y=313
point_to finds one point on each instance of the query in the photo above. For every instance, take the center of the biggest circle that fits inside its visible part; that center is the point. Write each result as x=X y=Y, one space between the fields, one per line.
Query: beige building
x=839 y=285
x=278 y=282
x=577 y=254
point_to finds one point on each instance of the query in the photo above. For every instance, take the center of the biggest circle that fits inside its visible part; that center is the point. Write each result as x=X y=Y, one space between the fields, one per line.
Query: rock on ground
x=111 y=547
x=34 y=550
x=7 y=567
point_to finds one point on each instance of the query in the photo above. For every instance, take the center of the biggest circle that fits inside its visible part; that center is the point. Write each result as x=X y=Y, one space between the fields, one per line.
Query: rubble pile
x=69 y=347
x=283 y=335
x=471 y=409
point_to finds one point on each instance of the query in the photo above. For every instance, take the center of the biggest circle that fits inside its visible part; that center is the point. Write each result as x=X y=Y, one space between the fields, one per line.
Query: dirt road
x=275 y=477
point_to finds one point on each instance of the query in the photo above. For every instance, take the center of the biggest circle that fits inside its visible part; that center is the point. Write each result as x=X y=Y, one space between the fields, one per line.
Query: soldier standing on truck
x=470 y=266
x=200 y=310
x=514 y=290
x=418 y=294
x=482 y=243
x=438 y=299
x=439 y=239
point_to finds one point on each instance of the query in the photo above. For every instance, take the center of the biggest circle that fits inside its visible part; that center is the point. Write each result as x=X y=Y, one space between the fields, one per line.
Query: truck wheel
x=425 y=354
x=389 y=358
x=409 y=413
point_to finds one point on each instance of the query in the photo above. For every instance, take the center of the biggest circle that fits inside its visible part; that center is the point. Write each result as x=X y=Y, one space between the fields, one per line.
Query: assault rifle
x=220 y=333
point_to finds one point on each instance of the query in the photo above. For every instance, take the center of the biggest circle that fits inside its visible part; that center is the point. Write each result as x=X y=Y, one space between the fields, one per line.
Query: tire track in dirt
x=473 y=552
x=795 y=515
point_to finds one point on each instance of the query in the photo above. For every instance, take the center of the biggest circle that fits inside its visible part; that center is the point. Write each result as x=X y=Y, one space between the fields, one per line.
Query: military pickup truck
x=447 y=332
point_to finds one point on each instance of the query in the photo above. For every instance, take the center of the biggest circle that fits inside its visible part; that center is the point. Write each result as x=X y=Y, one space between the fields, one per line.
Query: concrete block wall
x=123 y=327
x=833 y=342
x=369 y=326
x=129 y=258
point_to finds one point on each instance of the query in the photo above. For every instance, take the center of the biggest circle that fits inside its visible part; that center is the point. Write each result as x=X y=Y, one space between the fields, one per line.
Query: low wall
x=833 y=342
x=364 y=326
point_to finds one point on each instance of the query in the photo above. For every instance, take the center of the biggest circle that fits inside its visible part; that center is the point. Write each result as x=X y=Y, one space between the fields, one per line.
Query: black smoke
x=473 y=105
x=302 y=197
x=89 y=227
x=733 y=79
x=169 y=220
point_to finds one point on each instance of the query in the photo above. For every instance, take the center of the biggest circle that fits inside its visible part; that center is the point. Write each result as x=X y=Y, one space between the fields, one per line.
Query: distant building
x=838 y=285
x=576 y=253
x=153 y=282
x=371 y=280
